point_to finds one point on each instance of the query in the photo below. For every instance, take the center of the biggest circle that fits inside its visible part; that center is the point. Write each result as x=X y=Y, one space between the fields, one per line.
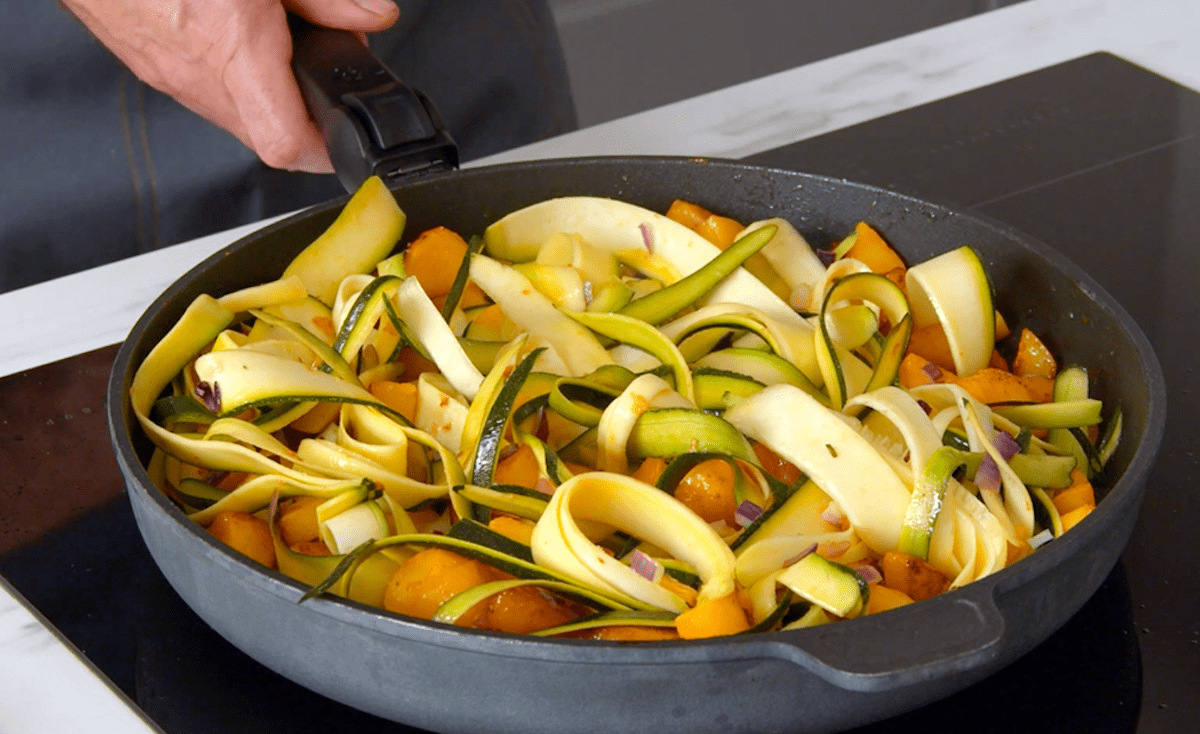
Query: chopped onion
x=645 y=566
x=799 y=556
x=1041 y=539
x=209 y=395
x=869 y=573
x=832 y=514
x=827 y=257
x=925 y=407
x=834 y=548
x=1006 y=445
x=544 y=485
x=932 y=371
x=987 y=476
x=747 y=513
x=645 y=229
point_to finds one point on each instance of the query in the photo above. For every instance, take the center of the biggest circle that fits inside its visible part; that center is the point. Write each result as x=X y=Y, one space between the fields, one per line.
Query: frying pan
x=827 y=678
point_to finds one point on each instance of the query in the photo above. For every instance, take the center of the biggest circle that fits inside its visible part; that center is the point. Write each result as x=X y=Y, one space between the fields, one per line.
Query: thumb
x=367 y=16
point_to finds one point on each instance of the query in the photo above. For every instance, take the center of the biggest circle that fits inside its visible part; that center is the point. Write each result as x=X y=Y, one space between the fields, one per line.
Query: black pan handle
x=372 y=123
x=947 y=634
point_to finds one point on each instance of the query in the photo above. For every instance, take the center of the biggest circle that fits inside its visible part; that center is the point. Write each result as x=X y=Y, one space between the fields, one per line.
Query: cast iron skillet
x=449 y=679
x=821 y=679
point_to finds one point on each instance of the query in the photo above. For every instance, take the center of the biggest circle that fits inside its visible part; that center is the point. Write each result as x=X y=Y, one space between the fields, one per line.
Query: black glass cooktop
x=1095 y=157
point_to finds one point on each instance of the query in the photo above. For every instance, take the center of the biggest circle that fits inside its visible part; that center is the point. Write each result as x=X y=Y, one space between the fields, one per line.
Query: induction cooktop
x=1096 y=157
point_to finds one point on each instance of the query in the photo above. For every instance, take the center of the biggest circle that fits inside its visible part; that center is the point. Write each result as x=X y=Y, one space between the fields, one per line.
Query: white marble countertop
x=735 y=122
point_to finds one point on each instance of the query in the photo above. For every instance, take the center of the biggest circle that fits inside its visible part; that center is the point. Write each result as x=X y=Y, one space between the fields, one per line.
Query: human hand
x=230 y=62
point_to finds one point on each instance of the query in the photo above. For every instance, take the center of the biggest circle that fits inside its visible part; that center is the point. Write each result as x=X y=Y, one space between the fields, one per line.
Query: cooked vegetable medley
x=599 y=421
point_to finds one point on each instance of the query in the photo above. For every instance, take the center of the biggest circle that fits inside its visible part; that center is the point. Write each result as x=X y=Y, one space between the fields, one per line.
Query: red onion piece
x=827 y=257
x=800 y=556
x=747 y=513
x=869 y=573
x=210 y=395
x=925 y=407
x=987 y=476
x=832 y=515
x=645 y=566
x=931 y=370
x=833 y=548
x=1006 y=445
x=544 y=485
x=646 y=239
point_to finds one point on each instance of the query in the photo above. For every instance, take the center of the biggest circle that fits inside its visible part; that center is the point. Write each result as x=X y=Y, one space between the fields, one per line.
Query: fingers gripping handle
x=371 y=122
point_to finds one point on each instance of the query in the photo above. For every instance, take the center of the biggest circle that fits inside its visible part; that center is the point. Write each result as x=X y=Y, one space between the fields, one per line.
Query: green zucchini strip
x=790 y=338
x=953 y=289
x=831 y=586
x=766 y=368
x=175 y=410
x=612 y=619
x=814 y=617
x=345 y=528
x=250 y=379
x=639 y=334
x=460 y=278
x=364 y=233
x=669 y=432
x=902 y=409
x=491 y=434
x=769 y=555
x=580 y=405
x=476 y=532
x=663 y=304
x=481 y=406
x=770 y=620
x=287 y=289
x=502 y=561
x=892 y=302
x=832 y=454
x=642 y=511
x=1017 y=502
x=1065 y=414
x=1045 y=512
x=1070 y=385
x=535 y=314
x=203 y=320
x=928 y=498
x=378 y=438
x=415 y=308
x=1111 y=438
x=256 y=493
x=792 y=257
x=530 y=506
x=968 y=542
x=362 y=316
x=851 y=326
x=332 y=360
x=715 y=389
x=617 y=422
x=1044 y=470
x=459 y=604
